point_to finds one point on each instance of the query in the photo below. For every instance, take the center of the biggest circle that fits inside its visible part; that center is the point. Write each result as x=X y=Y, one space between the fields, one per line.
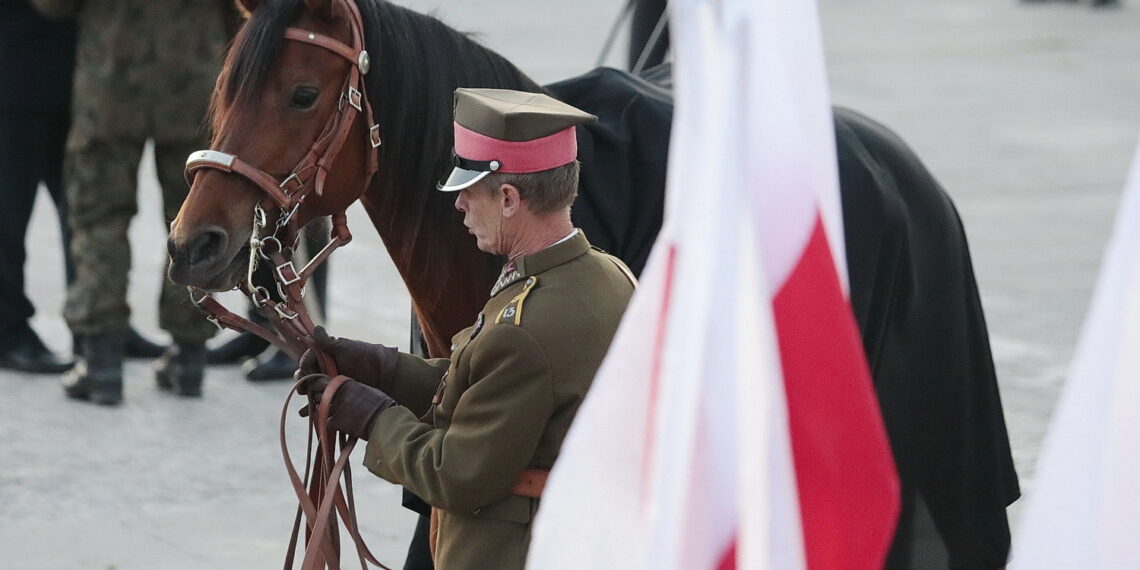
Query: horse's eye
x=303 y=98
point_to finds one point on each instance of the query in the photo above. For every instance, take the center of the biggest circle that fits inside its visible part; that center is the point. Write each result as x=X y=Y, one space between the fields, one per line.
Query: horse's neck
x=447 y=277
x=448 y=285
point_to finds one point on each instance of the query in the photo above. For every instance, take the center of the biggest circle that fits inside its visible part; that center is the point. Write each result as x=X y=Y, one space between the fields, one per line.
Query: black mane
x=253 y=52
x=418 y=63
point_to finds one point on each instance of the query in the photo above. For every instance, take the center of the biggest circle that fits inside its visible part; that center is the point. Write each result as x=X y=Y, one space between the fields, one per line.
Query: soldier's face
x=482 y=209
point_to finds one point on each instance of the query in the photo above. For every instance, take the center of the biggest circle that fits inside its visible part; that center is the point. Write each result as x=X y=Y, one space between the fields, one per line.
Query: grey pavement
x=1028 y=114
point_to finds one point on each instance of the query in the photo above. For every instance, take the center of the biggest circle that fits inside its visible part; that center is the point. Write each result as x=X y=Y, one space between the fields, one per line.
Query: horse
x=912 y=285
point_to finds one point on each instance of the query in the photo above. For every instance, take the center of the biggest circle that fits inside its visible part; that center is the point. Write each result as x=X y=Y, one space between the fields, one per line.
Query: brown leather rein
x=323 y=500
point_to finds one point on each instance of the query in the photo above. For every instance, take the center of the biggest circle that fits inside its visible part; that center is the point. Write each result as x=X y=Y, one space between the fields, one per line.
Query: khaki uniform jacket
x=508 y=394
x=143 y=68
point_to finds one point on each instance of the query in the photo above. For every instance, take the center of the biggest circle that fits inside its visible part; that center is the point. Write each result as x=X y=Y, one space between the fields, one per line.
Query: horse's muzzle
x=204 y=261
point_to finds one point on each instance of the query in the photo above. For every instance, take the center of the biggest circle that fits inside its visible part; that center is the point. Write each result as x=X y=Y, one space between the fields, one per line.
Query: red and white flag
x=733 y=422
x=1084 y=508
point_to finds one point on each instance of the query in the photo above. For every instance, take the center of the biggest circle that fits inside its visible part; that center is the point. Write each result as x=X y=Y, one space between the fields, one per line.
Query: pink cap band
x=544 y=153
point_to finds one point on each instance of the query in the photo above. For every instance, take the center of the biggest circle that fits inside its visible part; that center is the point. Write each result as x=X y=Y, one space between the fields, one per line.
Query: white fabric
x=1084 y=508
x=572 y=233
x=663 y=470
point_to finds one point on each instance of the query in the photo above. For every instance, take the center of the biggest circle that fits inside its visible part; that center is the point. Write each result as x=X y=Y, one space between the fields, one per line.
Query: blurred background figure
x=36 y=59
x=144 y=71
x=648 y=34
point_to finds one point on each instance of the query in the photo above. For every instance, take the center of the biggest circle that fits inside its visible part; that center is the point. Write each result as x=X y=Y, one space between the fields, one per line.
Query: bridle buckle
x=285 y=312
x=355 y=98
x=287 y=273
x=291 y=178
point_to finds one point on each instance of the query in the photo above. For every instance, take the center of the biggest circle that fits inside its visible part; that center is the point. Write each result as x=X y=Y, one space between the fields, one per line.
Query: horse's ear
x=321 y=9
x=246 y=7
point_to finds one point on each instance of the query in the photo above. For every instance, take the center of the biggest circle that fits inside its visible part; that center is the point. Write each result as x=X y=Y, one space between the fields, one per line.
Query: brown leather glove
x=354 y=407
x=370 y=364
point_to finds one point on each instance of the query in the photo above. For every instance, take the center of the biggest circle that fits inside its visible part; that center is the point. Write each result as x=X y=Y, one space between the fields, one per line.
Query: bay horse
x=912 y=285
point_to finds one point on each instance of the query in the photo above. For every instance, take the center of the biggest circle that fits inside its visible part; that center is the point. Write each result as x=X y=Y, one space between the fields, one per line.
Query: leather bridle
x=323 y=500
x=286 y=196
x=310 y=173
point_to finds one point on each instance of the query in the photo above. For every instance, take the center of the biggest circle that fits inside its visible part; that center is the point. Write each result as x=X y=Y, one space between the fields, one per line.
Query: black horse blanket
x=912 y=291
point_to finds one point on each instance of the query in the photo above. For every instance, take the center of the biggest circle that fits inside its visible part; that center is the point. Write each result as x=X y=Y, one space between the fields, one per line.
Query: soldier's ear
x=246 y=7
x=321 y=9
x=509 y=199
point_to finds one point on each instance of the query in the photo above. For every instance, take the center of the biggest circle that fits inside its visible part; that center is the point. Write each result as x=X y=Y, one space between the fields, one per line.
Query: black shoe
x=246 y=345
x=139 y=347
x=24 y=351
x=98 y=375
x=180 y=369
x=279 y=366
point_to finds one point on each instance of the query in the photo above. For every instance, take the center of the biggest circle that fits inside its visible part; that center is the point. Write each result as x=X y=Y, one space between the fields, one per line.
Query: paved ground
x=1027 y=114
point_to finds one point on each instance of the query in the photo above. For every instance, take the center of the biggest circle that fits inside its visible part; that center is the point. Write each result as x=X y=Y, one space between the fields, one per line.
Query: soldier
x=503 y=402
x=36 y=57
x=144 y=70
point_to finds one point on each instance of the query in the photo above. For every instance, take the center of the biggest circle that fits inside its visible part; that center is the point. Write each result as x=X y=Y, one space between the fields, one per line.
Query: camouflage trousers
x=101 y=180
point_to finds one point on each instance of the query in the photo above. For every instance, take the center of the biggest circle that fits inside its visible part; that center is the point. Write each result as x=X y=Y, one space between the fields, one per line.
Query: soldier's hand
x=371 y=364
x=354 y=406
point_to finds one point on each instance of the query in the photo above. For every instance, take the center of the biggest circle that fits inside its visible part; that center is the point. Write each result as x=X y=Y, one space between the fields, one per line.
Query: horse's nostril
x=207 y=246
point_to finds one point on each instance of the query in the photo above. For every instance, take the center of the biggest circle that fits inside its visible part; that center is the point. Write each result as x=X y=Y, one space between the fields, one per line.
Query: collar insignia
x=478 y=327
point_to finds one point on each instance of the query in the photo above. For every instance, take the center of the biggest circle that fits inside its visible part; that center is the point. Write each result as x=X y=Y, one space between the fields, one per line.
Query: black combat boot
x=138 y=346
x=181 y=368
x=278 y=366
x=98 y=373
x=246 y=345
x=21 y=349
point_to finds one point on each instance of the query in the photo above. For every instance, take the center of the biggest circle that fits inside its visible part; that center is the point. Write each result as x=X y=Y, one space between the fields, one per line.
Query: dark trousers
x=31 y=151
x=419 y=551
x=101 y=176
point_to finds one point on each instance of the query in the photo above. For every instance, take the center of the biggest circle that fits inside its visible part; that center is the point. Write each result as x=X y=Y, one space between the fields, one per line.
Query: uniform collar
x=539 y=261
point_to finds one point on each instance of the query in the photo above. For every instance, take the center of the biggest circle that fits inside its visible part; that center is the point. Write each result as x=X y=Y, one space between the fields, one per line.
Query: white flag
x=1084 y=510
x=732 y=423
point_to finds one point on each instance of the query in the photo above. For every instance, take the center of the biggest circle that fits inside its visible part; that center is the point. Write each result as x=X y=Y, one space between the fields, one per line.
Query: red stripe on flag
x=848 y=488
x=728 y=559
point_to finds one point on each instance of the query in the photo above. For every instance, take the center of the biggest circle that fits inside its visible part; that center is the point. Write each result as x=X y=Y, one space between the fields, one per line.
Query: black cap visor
x=466 y=173
x=461 y=178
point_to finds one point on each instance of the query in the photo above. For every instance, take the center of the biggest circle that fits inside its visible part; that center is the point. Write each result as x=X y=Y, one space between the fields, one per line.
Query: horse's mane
x=250 y=57
x=421 y=63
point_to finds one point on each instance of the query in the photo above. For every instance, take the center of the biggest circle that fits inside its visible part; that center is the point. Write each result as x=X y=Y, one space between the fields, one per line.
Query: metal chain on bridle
x=323 y=500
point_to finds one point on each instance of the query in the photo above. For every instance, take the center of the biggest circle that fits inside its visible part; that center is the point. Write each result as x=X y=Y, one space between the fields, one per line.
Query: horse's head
x=291 y=134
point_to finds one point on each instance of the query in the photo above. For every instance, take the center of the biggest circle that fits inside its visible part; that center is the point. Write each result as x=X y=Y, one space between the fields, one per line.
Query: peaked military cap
x=499 y=130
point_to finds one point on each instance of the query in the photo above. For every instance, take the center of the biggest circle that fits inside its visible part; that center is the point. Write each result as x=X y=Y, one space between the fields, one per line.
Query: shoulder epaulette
x=512 y=313
x=624 y=270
